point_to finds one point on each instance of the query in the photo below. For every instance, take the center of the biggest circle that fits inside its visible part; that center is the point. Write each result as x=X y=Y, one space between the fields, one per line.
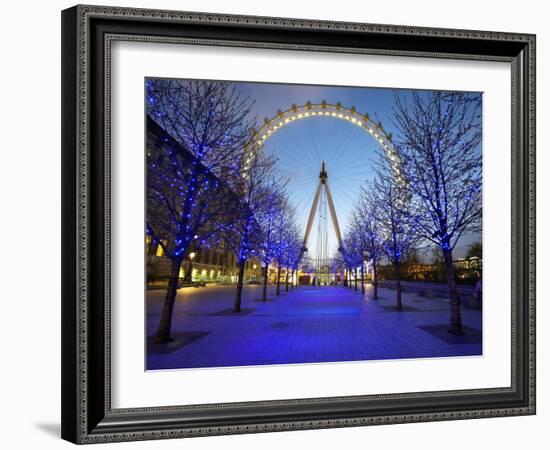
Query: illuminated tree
x=394 y=224
x=191 y=168
x=268 y=218
x=368 y=218
x=292 y=248
x=353 y=252
x=359 y=240
x=440 y=144
x=296 y=254
x=246 y=233
x=283 y=228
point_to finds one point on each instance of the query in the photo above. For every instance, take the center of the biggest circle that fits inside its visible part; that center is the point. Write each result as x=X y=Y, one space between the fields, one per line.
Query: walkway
x=305 y=325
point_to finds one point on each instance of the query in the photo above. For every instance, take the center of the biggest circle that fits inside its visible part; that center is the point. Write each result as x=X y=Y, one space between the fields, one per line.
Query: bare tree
x=307 y=265
x=246 y=232
x=337 y=265
x=440 y=145
x=475 y=250
x=190 y=171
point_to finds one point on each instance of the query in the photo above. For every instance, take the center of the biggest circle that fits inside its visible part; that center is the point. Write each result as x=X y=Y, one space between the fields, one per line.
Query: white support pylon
x=323 y=184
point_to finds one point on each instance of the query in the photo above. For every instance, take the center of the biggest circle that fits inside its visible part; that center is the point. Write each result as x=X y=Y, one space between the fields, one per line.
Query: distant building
x=466 y=270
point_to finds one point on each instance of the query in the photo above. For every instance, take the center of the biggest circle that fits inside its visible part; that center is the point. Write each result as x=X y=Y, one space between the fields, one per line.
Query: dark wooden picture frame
x=87 y=34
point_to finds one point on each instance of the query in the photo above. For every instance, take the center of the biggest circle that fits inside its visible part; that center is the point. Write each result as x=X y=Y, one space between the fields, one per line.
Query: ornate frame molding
x=88 y=421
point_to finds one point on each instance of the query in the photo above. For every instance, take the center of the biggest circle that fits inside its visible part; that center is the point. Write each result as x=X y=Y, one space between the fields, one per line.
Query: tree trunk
x=398 y=285
x=374 y=280
x=292 y=281
x=165 y=324
x=278 y=290
x=456 y=319
x=286 y=280
x=363 y=278
x=239 y=293
x=264 y=292
x=355 y=278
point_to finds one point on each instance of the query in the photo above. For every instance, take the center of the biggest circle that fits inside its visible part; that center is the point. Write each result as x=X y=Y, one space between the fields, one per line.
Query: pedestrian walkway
x=305 y=325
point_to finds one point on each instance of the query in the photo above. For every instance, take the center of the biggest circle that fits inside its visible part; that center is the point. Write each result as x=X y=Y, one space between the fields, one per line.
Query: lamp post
x=189 y=273
x=363 y=262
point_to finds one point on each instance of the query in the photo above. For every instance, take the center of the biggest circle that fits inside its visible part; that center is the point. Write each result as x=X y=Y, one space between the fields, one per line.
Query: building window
x=160 y=250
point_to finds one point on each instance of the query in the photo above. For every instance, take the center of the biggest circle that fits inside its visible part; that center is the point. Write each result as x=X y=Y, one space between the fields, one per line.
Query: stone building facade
x=202 y=264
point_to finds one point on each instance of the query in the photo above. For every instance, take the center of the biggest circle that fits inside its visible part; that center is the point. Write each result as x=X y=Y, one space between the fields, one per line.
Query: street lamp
x=189 y=274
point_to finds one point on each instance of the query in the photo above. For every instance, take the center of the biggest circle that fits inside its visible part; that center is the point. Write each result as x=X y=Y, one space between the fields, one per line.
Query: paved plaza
x=305 y=325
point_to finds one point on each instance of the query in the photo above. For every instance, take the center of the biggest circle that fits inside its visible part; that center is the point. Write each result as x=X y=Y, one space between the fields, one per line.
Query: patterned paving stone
x=304 y=325
x=471 y=335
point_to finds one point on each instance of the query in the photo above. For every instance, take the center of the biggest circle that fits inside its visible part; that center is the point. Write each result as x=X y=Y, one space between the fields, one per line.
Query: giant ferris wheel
x=322 y=206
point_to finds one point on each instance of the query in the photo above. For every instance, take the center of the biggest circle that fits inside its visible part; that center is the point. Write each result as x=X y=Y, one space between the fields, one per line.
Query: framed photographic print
x=279 y=224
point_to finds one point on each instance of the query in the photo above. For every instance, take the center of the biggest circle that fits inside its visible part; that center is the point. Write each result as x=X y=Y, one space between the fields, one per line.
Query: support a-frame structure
x=323 y=184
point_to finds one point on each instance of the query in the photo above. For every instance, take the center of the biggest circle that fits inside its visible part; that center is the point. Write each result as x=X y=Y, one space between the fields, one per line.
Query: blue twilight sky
x=301 y=146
